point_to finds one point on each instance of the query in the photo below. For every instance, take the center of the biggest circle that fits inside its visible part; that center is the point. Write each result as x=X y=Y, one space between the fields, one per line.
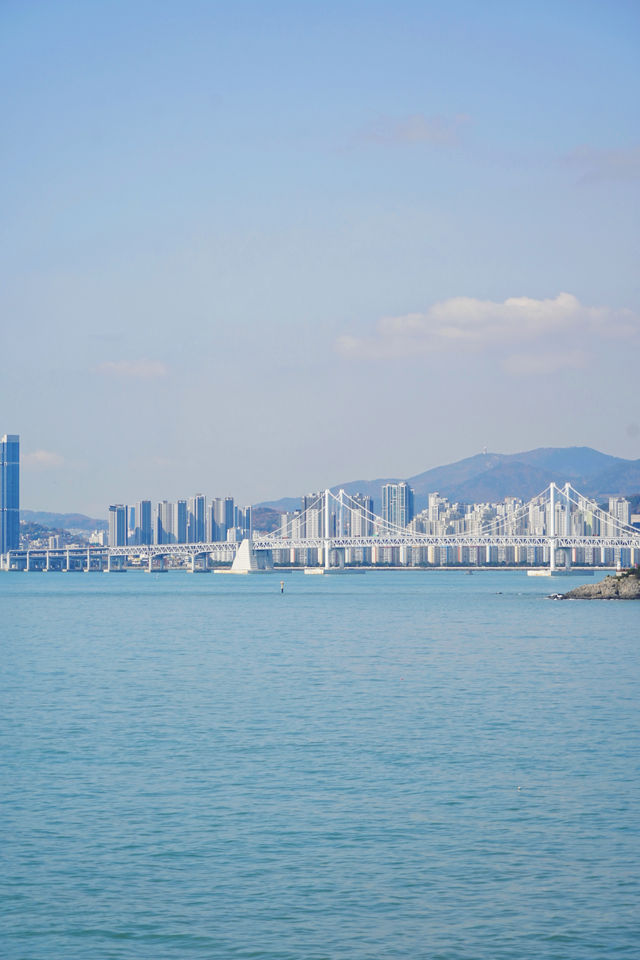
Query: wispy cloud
x=477 y=325
x=143 y=369
x=595 y=165
x=417 y=128
x=42 y=460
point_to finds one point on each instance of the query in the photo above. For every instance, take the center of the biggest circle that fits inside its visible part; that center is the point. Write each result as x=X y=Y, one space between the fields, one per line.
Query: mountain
x=573 y=463
x=494 y=476
x=63 y=521
x=514 y=474
x=283 y=505
x=265 y=519
x=453 y=475
x=490 y=486
x=620 y=480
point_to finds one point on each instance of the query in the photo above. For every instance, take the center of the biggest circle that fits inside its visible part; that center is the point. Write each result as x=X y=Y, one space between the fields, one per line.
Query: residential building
x=620 y=509
x=397 y=504
x=117 y=525
x=243 y=520
x=361 y=515
x=222 y=517
x=144 y=525
x=197 y=521
x=180 y=521
x=164 y=532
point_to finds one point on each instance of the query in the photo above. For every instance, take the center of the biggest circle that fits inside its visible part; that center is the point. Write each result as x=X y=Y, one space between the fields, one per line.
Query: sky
x=257 y=249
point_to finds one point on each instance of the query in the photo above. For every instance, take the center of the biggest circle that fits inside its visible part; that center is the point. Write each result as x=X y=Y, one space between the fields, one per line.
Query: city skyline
x=259 y=250
x=341 y=530
x=542 y=456
x=197 y=519
x=326 y=524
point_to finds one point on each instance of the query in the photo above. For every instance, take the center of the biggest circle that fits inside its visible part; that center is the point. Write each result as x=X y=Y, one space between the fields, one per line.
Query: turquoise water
x=400 y=764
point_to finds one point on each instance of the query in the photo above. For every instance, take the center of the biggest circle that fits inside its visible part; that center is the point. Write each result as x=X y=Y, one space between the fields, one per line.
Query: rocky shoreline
x=625 y=587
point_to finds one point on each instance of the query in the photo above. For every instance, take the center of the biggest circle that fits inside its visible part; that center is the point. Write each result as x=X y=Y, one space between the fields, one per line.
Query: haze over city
x=257 y=250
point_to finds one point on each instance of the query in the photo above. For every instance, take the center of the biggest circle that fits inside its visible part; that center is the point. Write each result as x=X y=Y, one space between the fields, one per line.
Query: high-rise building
x=197 y=520
x=164 y=523
x=144 y=526
x=438 y=507
x=290 y=524
x=361 y=515
x=210 y=524
x=222 y=517
x=117 y=525
x=243 y=520
x=180 y=525
x=397 y=504
x=312 y=519
x=131 y=527
x=620 y=509
x=9 y=492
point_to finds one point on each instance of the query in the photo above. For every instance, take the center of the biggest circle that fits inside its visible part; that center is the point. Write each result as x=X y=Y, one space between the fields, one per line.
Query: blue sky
x=256 y=249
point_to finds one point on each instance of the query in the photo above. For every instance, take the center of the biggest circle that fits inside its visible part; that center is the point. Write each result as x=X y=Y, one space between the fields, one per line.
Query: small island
x=622 y=586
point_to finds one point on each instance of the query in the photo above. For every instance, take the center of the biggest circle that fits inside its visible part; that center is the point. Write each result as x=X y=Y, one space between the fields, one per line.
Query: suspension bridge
x=335 y=528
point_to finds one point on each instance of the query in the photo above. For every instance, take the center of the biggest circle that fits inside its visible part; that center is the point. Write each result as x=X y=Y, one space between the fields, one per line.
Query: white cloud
x=143 y=369
x=42 y=460
x=476 y=325
x=595 y=165
x=438 y=131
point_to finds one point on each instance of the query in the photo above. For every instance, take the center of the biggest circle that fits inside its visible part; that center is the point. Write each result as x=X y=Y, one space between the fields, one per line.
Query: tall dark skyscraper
x=197 y=521
x=181 y=518
x=9 y=492
x=144 y=527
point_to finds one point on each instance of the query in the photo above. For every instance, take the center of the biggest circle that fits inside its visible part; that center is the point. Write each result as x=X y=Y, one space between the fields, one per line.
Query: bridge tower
x=552 y=527
x=327 y=542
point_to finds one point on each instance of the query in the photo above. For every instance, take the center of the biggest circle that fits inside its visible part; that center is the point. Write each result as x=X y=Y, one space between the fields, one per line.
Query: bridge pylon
x=552 y=527
x=327 y=543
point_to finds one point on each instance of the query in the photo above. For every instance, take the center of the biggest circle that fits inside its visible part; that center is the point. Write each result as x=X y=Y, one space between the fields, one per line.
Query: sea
x=402 y=764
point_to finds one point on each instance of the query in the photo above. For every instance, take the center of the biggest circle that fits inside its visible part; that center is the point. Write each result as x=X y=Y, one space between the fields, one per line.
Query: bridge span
x=333 y=542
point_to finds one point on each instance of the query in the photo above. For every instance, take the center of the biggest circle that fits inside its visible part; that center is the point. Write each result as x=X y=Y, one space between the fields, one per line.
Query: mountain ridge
x=494 y=476
x=65 y=521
